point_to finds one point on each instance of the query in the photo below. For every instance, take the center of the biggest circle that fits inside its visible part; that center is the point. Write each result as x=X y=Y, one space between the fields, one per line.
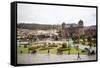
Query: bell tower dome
x=80 y=23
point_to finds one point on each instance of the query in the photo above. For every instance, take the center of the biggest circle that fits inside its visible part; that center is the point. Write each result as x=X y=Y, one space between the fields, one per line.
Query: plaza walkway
x=45 y=58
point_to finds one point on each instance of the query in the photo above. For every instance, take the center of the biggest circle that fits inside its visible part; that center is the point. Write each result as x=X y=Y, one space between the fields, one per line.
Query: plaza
x=52 y=58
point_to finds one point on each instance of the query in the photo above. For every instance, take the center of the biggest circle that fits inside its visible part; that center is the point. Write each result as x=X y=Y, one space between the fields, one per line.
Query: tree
x=94 y=40
x=83 y=37
x=55 y=38
x=90 y=40
x=94 y=37
x=75 y=39
x=64 y=45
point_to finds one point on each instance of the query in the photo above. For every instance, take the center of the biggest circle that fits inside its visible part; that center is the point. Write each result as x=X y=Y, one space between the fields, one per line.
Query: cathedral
x=73 y=29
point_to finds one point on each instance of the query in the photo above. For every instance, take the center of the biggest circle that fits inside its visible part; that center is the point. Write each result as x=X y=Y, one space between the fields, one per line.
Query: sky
x=48 y=14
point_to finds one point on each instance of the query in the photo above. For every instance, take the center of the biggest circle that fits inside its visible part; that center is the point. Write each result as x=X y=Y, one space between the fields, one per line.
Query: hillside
x=37 y=26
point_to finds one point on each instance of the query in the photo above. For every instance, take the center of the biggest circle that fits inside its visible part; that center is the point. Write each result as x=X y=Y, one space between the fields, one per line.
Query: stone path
x=44 y=58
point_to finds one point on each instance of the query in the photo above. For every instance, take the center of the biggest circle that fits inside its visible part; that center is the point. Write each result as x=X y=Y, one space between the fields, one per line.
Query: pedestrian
x=48 y=51
x=78 y=57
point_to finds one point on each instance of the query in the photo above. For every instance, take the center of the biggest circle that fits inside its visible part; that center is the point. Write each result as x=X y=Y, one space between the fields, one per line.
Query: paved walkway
x=44 y=58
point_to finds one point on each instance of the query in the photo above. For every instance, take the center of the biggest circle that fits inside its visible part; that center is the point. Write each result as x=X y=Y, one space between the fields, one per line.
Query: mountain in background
x=37 y=26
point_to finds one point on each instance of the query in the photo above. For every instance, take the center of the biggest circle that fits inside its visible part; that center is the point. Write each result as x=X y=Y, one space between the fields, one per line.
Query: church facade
x=69 y=30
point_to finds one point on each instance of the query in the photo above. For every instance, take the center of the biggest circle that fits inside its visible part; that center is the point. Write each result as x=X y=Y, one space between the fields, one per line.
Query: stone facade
x=69 y=30
x=90 y=30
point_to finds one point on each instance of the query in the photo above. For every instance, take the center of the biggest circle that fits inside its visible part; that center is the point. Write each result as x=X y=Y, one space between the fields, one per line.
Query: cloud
x=48 y=14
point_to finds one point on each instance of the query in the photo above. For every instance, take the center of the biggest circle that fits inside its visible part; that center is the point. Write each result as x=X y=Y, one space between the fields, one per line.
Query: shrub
x=64 y=45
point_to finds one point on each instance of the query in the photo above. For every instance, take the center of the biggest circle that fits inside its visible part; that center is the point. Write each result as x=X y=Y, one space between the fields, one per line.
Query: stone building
x=91 y=30
x=69 y=30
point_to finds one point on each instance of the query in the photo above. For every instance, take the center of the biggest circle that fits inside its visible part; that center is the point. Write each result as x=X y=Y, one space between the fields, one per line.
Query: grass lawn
x=21 y=48
x=45 y=51
x=73 y=51
x=86 y=43
x=52 y=51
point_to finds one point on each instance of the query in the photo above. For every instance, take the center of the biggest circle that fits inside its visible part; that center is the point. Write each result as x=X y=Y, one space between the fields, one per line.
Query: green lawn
x=45 y=51
x=52 y=51
x=21 y=48
x=86 y=43
x=73 y=51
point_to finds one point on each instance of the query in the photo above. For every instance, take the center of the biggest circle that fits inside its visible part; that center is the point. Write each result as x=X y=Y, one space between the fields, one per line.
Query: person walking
x=78 y=57
x=48 y=51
